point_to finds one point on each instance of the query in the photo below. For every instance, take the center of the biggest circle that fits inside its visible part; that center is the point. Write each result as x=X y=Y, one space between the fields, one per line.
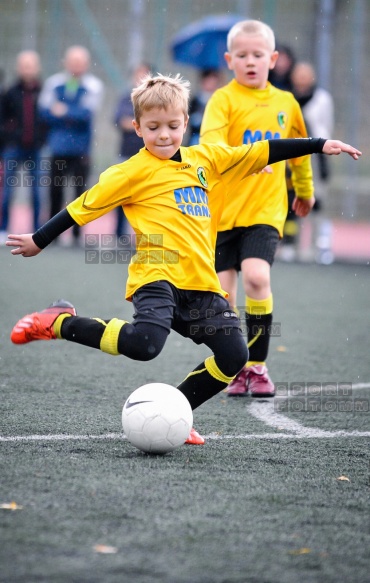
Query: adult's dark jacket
x=21 y=124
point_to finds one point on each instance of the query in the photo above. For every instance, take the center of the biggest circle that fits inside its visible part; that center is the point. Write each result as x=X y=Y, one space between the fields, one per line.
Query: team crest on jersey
x=202 y=176
x=282 y=119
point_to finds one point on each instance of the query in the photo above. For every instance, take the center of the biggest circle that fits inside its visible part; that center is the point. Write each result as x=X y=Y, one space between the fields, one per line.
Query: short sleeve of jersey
x=234 y=164
x=111 y=191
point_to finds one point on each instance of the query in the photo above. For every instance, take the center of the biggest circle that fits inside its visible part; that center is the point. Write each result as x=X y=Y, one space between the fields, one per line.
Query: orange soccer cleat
x=194 y=438
x=39 y=325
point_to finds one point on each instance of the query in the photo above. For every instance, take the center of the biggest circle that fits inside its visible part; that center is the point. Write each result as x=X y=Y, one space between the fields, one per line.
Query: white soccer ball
x=157 y=418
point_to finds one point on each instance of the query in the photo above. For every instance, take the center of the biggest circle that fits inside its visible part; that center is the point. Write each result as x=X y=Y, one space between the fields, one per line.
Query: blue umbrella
x=202 y=44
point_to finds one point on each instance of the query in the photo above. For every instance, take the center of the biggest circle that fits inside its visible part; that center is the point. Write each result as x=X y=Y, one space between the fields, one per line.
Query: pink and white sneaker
x=238 y=386
x=258 y=382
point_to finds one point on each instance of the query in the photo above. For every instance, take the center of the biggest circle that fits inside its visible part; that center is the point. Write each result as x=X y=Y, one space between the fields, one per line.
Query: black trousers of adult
x=67 y=173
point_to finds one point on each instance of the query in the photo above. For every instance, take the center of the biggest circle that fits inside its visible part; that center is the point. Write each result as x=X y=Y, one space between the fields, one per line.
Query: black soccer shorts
x=193 y=314
x=257 y=241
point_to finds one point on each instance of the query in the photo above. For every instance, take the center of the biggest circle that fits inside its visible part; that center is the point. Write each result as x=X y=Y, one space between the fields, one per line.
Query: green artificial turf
x=257 y=503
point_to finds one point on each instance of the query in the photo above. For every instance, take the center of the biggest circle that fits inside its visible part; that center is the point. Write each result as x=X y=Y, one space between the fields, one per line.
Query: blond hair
x=253 y=27
x=160 y=91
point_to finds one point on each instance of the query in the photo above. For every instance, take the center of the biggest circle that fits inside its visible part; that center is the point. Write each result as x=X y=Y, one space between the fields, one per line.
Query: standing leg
x=257 y=250
x=259 y=306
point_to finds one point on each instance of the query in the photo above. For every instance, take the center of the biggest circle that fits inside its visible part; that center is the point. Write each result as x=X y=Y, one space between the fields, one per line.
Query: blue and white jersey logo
x=193 y=201
x=249 y=137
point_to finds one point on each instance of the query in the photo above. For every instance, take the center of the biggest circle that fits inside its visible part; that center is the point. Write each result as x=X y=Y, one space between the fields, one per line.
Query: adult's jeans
x=21 y=170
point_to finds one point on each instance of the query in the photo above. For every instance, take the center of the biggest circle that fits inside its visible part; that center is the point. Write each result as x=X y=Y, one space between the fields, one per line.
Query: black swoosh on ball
x=130 y=404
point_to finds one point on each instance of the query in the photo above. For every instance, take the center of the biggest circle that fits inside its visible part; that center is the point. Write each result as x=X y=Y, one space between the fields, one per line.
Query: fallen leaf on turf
x=302 y=551
x=343 y=479
x=105 y=549
x=11 y=506
x=281 y=349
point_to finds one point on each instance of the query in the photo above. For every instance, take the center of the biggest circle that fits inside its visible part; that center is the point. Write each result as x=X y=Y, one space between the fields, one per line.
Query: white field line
x=361 y=386
x=264 y=411
x=61 y=437
x=261 y=410
x=213 y=436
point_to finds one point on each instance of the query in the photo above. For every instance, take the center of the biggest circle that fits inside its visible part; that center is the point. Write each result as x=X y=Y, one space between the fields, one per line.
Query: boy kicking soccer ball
x=167 y=192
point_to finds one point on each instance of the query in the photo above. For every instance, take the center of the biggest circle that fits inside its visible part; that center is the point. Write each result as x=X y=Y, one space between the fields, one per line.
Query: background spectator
x=318 y=110
x=280 y=76
x=210 y=80
x=2 y=91
x=22 y=135
x=2 y=78
x=130 y=142
x=68 y=103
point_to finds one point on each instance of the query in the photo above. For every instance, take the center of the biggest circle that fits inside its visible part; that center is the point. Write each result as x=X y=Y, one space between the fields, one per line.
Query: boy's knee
x=147 y=351
x=256 y=282
x=142 y=342
x=232 y=361
x=239 y=361
x=256 y=277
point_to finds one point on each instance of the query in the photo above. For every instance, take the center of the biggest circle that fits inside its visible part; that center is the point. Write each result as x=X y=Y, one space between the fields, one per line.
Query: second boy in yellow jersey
x=245 y=111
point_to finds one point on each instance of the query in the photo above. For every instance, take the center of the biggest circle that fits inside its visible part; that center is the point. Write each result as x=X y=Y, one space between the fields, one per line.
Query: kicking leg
x=139 y=341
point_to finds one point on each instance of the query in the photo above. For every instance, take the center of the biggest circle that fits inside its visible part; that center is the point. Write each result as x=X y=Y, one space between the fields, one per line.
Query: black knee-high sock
x=142 y=341
x=258 y=319
x=205 y=381
x=86 y=331
x=258 y=336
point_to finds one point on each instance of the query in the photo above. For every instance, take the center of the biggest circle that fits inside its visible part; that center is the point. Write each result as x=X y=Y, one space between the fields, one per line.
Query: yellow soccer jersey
x=238 y=115
x=173 y=210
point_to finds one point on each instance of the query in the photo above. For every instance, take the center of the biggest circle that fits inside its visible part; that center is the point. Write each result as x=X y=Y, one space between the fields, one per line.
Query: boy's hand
x=335 y=147
x=302 y=206
x=25 y=245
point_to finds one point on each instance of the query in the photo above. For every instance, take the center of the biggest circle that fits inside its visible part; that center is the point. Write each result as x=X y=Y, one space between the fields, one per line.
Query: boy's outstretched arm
x=24 y=244
x=335 y=147
x=285 y=149
x=30 y=245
